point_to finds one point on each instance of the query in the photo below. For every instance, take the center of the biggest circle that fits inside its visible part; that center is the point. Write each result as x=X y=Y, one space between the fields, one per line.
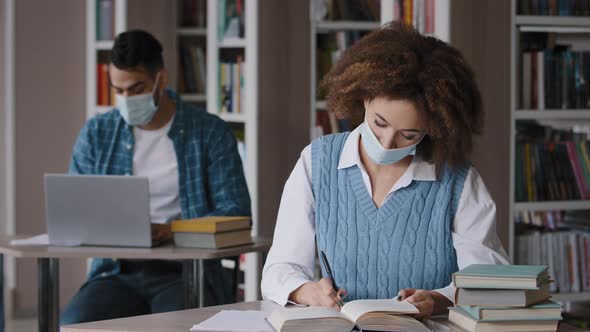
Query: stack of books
x=504 y=298
x=212 y=232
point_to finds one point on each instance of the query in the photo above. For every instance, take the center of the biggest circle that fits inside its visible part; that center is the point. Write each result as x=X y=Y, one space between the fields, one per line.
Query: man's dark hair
x=137 y=48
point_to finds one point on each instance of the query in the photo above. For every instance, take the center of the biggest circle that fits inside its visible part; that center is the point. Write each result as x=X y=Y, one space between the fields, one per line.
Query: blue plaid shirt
x=211 y=177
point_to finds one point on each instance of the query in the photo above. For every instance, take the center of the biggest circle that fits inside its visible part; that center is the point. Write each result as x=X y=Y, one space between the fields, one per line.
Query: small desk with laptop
x=48 y=268
x=107 y=217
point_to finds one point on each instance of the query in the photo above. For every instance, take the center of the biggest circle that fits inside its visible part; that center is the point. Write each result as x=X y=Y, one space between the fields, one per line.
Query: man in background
x=194 y=170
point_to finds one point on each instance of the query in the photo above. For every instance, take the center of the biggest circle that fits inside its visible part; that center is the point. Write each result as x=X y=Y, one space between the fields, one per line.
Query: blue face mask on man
x=140 y=109
x=377 y=152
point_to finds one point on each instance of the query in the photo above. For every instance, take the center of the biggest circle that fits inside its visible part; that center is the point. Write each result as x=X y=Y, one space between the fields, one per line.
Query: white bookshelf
x=560 y=25
x=248 y=117
x=192 y=31
x=441 y=27
x=579 y=114
x=94 y=46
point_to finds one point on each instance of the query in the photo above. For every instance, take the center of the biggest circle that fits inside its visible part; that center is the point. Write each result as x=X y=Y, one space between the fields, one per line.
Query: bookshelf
x=225 y=47
x=532 y=102
x=332 y=25
x=99 y=42
x=191 y=36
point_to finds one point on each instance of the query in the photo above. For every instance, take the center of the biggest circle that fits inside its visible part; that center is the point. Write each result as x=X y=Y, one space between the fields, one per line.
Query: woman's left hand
x=428 y=302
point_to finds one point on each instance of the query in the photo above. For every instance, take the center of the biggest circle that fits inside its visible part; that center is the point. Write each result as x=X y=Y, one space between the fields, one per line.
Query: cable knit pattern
x=376 y=252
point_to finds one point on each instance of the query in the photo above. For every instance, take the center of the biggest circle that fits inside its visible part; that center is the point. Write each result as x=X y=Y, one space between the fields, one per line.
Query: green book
x=547 y=310
x=501 y=276
x=462 y=319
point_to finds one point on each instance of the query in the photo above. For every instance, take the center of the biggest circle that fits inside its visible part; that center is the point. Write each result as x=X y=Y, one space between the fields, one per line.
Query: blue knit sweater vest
x=375 y=252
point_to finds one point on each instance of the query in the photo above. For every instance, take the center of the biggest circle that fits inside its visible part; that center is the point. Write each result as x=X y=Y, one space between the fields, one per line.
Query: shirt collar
x=419 y=169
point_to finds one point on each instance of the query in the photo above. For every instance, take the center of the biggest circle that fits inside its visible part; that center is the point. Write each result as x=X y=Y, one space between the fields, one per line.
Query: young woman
x=395 y=204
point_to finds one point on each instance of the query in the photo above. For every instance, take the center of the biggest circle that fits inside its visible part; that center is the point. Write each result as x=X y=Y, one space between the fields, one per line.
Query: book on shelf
x=458 y=316
x=551 y=164
x=193 y=69
x=378 y=315
x=211 y=224
x=553 y=76
x=193 y=13
x=230 y=19
x=553 y=7
x=490 y=276
x=231 y=86
x=105 y=22
x=104 y=93
x=501 y=297
x=566 y=253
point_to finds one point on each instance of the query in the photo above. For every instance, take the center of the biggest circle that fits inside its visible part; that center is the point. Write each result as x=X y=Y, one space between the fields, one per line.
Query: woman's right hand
x=318 y=293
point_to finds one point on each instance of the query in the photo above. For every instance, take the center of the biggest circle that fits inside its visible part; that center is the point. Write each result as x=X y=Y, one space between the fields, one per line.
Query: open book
x=379 y=315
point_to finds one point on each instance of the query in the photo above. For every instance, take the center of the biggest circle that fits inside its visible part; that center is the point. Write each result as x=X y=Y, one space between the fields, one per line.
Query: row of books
x=504 y=298
x=418 y=13
x=105 y=95
x=105 y=19
x=548 y=220
x=552 y=171
x=192 y=76
x=567 y=253
x=555 y=78
x=212 y=232
x=554 y=7
x=348 y=10
x=230 y=19
x=193 y=13
x=578 y=220
x=231 y=86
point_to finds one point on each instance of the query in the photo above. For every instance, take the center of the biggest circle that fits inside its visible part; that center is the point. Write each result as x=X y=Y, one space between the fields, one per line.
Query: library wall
x=50 y=110
x=284 y=99
x=482 y=32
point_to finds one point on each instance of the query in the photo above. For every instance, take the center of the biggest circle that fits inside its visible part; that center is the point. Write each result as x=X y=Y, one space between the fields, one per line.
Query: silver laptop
x=97 y=210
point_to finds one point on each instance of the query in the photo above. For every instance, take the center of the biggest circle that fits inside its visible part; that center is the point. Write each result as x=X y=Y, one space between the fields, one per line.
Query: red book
x=104 y=80
x=577 y=168
x=98 y=84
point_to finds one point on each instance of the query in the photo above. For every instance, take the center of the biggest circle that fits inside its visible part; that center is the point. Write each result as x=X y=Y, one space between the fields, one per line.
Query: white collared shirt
x=291 y=259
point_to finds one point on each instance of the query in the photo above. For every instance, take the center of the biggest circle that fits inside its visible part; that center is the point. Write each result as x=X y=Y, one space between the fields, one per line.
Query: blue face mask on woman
x=377 y=152
x=140 y=109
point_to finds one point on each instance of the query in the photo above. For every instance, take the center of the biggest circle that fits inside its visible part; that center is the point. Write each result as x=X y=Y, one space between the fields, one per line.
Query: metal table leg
x=48 y=302
x=188 y=280
x=194 y=283
x=200 y=282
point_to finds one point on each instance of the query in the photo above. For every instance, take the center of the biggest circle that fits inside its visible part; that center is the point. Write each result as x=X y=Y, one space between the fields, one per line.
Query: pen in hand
x=330 y=275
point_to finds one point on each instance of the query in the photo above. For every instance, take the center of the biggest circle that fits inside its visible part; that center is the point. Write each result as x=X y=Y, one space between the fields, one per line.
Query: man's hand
x=161 y=232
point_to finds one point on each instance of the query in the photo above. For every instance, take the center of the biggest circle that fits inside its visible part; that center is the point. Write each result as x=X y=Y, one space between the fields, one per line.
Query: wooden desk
x=175 y=321
x=48 y=268
x=182 y=321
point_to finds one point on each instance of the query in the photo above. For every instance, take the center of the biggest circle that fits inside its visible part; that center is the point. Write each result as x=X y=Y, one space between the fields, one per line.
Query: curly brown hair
x=398 y=63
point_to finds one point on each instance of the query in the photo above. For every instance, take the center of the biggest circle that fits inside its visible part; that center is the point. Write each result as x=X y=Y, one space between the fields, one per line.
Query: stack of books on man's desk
x=212 y=232
x=504 y=298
